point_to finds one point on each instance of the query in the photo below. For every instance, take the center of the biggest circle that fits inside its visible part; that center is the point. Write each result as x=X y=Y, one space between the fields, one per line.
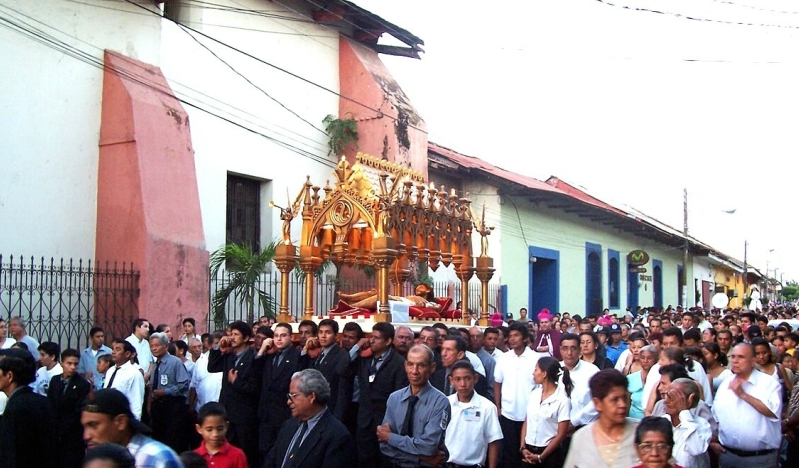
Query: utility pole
x=685 y=249
x=746 y=269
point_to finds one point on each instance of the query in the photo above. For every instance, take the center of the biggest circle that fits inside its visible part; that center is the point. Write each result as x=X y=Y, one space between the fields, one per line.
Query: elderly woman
x=653 y=443
x=608 y=441
x=646 y=357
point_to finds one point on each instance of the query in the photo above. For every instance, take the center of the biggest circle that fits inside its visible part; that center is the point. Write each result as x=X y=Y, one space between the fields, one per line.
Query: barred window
x=243 y=220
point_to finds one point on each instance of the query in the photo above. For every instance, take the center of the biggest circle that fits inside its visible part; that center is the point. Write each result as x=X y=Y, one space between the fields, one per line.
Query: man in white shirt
x=205 y=386
x=692 y=434
x=513 y=383
x=125 y=377
x=473 y=434
x=747 y=408
x=139 y=340
x=582 y=407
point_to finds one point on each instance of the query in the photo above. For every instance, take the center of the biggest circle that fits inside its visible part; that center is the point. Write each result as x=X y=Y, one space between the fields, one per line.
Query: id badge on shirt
x=164 y=379
x=372 y=378
x=471 y=415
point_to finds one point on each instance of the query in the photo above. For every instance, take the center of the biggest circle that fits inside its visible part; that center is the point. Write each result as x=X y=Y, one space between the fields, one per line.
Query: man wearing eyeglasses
x=312 y=437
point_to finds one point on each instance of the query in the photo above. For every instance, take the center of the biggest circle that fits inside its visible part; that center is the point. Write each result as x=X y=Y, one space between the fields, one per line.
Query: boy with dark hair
x=66 y=393
x=48 y=358
x=215 y=449
x=308 y=329
x=88 y=358
x=27 y=429
x=104 y=362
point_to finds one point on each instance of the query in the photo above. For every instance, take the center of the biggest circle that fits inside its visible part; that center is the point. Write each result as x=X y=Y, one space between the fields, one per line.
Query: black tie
x=114 y=374
x=320 y=360
x=156 y=377
x=295 y=445
x=407 y=424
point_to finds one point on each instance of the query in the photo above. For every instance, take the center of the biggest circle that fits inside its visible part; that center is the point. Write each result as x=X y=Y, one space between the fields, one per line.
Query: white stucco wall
x=51 y=110
x=50 y=119
x=307 y=50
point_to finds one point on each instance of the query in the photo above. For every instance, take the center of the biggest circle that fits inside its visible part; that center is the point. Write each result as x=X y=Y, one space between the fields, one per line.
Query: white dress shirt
x=476 y=363
x=130 y=382
x=543 y=416
x=651 y=385
x=582 y=407
x=472 y=426
x=691 y=440
x=741 y=426
x=515 y=373
x=143 y=353
x=700 y=376
x=206 y=385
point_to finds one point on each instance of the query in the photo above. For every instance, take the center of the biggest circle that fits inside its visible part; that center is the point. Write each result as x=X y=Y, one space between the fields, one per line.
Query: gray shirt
x=489 y=363
x=430 y=419
x=172 y=376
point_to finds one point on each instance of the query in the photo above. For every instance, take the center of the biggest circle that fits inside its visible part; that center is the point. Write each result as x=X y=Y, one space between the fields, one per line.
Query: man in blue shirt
x=615 y=345
x=412 y=433
x=169 y=381
x=88 y=358
x=106 y=418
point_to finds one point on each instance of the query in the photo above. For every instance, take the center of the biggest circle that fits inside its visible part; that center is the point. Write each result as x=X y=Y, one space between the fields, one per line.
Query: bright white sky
x=632 y=105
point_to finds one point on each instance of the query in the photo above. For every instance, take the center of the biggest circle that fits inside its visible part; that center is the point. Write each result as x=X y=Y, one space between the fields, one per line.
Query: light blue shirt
x=88 y=364
x=430 y=418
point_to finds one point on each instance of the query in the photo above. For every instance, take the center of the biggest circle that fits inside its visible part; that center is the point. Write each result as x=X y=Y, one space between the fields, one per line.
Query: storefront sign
x=637 y=258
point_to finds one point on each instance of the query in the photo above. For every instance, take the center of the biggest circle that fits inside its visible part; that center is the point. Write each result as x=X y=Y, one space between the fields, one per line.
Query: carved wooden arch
x=342 y=211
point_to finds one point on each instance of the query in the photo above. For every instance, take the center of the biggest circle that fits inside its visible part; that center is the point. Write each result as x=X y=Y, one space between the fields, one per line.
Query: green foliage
x=790 y=292
x=244 y=268
x=342 y=134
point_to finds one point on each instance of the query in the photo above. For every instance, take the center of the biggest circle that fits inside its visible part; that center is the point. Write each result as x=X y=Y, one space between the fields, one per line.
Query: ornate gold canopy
x=382 y=214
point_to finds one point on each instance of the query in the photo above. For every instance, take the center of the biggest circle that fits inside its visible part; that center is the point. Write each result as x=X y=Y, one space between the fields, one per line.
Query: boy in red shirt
x=212 y=427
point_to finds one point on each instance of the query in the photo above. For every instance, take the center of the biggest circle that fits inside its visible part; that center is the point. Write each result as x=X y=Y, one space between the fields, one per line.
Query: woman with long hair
x=716 y=364
x=547 y=420
x=589 y=347
x=764 y=359
x=607 y=442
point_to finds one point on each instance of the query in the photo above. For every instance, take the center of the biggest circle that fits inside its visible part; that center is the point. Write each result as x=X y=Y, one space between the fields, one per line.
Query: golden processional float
x=386 y=216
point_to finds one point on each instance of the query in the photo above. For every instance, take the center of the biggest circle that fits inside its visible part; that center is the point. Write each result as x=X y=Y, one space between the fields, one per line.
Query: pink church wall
x=148 y=207
x=400 y=133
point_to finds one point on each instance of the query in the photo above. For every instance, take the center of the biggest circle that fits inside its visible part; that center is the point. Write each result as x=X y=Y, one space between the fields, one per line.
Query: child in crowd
x=215 y=449
x=104 y=363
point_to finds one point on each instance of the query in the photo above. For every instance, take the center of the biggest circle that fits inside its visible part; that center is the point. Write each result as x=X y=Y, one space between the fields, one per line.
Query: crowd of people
x=652 y=388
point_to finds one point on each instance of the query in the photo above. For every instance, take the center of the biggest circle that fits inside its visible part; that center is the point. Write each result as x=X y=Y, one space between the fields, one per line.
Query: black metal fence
x=326 y=297
x=61 y=300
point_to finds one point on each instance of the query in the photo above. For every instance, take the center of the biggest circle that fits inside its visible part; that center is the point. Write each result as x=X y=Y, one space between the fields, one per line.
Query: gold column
x=485 y=270
x=310 y=261
x=285 y=259
x=465 y=270
x=383 y=255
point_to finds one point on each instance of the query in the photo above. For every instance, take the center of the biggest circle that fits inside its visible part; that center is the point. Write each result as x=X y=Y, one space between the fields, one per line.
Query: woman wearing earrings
x=547 y=420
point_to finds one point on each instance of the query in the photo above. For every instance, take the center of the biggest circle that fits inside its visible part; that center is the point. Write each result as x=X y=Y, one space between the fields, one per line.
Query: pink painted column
x=393 y=129
x=148 y=206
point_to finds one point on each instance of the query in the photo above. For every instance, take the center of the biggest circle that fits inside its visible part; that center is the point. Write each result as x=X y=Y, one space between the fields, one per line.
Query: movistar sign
x=637 y=258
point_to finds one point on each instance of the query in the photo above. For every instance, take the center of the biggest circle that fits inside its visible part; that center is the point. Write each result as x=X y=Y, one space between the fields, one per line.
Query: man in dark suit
x=276 y=362
x=66 y=393
x=334 y=363
x=239 y=395
x=313 y=438
x=27 y=430
x=378 y=377
x=452 y=351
